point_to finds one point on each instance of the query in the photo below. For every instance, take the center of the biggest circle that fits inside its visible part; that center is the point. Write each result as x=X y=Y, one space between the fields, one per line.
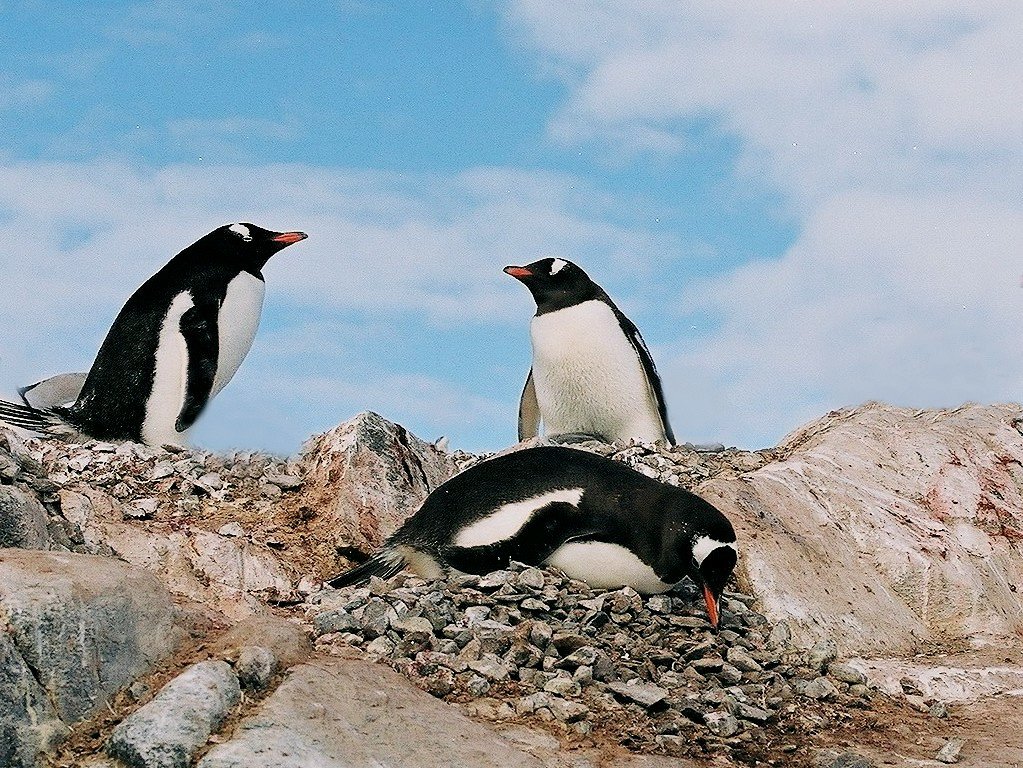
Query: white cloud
x=892 y=131
x=392 y=250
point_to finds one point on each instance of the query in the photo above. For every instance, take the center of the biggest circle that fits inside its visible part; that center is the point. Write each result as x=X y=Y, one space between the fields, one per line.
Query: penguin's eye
x=242 y=231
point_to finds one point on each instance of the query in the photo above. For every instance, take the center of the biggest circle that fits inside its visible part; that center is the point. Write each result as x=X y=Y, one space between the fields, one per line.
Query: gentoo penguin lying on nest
x=596 y=519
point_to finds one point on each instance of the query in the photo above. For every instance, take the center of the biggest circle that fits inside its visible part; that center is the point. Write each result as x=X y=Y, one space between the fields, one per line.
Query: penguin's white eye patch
x=557 y=265
x=242 y=231
x=704 y=545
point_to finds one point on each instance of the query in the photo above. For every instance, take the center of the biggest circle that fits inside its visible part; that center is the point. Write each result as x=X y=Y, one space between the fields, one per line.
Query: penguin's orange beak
x=712 y=606
x=290 y=237
x=518 y=272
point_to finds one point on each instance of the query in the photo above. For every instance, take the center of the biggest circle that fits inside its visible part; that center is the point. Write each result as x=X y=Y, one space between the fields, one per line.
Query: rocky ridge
x=247 y=535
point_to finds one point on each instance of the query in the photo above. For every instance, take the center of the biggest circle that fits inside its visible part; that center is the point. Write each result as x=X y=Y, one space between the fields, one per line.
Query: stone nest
x=529 y=644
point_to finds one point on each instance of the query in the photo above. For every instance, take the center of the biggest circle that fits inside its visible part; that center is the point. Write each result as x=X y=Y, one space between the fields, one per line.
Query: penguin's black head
x=714 y=560
x=252 y=246
x=555 y=283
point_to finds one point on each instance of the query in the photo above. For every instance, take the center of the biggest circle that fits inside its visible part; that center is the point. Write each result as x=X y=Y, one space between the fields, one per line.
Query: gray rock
x=531 y=578
x=78 y=629
x=722 y=724
x=644 y=694
x=938 y=709
x=255 y=667
x=781 y=636
x=567 y=711
x=335 y=621
x=563 y=686
x=830 y=758
x=741 y=660
x=729 y=675
x=170 y=729
x=822 y=654
x=336 y=713
x=949 y=752
x=496 y=579
x=750 y=712
x=363 y=477
x=491 y=667
x=847 y=673
x=818 y=688
x=22 y=520
x=284 y=481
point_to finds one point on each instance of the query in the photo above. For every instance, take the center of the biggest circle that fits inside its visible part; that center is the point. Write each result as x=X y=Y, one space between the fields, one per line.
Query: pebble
x=823 y=653
x=949 y=753
x=255 y=667
x=847 y=673
x=722 y=724
x=644 y=694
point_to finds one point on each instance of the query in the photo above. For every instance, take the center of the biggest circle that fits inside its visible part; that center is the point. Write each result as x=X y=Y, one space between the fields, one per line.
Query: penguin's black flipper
x=653 y=380
x=534 y=542
x=199 y=329
x=384 y=564
x=529 y=410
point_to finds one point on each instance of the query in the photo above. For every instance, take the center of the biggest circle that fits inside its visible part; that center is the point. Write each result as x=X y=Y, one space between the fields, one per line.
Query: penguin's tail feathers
x=33 y=419
x=385 y=563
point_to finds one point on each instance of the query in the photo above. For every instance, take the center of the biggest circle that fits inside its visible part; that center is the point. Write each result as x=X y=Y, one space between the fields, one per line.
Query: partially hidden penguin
x=592 y=373
x=173 y=347
x=596 y=519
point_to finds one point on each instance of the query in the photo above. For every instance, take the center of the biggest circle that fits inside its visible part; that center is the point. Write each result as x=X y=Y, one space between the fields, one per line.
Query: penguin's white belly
x=170 y=379
x=237 y=324
x=606 y=566
x=588 y=376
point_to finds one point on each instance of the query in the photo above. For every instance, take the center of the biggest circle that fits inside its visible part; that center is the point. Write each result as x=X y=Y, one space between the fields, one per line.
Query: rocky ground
x=225 y=554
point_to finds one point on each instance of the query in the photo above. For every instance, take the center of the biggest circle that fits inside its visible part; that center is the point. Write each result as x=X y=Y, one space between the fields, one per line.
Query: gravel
x=650 y=673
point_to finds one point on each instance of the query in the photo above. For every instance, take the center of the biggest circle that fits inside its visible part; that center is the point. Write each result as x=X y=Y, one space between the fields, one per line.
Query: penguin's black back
x=112 y=404
x=618 y=503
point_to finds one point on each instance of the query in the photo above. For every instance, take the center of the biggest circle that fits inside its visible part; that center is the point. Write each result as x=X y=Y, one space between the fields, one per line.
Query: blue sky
x=801 y=208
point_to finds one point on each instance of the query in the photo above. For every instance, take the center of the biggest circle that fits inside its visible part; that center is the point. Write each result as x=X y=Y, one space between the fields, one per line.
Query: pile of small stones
x=648 y=672
x=148 y=481
x=683 y=465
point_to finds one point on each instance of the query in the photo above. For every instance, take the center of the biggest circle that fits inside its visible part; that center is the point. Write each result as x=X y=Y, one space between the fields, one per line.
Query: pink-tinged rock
x=365 y=477
x=884 y=528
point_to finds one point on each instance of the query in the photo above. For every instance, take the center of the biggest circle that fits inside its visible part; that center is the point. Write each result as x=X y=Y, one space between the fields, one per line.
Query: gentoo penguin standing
x=596 y=519
x=176 y=343
x=592 y=374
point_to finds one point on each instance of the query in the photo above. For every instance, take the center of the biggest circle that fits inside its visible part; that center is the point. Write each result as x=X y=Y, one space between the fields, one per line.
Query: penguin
x=598 y=520
x=592 y=374
x=173 y=347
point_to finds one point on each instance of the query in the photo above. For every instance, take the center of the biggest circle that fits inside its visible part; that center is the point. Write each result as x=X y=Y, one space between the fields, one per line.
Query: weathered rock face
x=339 y=713
x=366 y=477
x=886 y=528
x=77 y=629
x=22 y=519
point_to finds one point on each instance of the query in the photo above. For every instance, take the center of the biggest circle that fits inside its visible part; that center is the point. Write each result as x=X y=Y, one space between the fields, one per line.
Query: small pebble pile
x=647 y=672
x=147 y=484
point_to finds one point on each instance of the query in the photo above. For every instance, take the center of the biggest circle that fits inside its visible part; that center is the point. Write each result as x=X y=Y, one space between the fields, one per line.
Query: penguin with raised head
x=596 y=519
x=173 y=347
x=592 y=373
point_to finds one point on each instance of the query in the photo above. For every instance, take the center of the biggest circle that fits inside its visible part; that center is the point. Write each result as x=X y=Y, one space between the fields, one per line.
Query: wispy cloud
x=394 y=261
x=18 y=94
x=891 y=132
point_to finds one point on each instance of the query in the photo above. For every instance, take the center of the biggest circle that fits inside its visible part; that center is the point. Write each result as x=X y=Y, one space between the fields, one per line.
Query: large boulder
x=22 y=519
x=339 y=713
x=888 y=529
x=74 y=630
x=365 y=477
